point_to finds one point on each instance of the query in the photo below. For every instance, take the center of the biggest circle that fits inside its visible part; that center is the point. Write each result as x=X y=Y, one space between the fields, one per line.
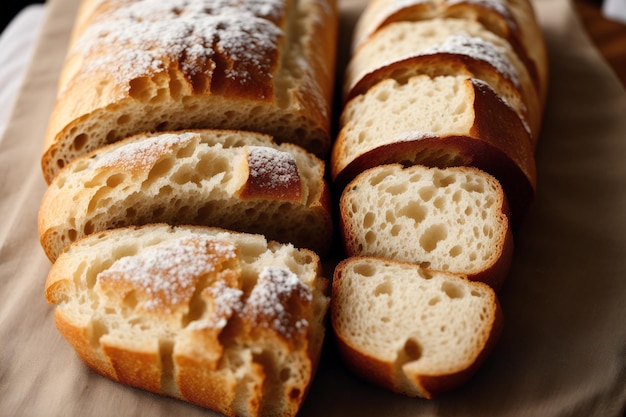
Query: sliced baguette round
x=152 y=65
x=446 y=47
x=415 y=332
x=223 y=320
x=441 y=121
x=451 y=219
x=513 y=20
x=231 y=179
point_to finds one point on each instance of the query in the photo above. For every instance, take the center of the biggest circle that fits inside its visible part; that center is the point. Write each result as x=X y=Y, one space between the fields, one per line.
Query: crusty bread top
x=414 y=331
x=231 y=179
x=224 y=320
x=513 y=20
x=138 y=66
x=453 y=219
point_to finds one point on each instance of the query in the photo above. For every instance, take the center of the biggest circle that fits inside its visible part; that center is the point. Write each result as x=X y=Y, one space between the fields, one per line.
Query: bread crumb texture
x=227 y=321
x=417 y=323
x=236 y=180
x=446 y=219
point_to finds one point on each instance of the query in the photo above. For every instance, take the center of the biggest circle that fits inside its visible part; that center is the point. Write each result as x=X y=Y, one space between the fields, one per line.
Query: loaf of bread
x=440 y=121
x=150 y=65
x=410 y=330
x=452 y=219
x=512 y=20
x=223 y=320
x=231 y=179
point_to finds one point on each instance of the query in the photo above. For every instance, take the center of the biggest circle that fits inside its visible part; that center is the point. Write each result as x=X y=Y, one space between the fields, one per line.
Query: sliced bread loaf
x=441 y=121
x=446 y=47
x=452 y=219
x=512 y=20
x=136 y=66
x=231 y=179
x=223 y=320
x=410 y=330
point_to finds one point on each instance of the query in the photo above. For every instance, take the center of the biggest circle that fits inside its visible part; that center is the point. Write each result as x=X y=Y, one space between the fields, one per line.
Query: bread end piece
x=226 y=321
x=413 y=331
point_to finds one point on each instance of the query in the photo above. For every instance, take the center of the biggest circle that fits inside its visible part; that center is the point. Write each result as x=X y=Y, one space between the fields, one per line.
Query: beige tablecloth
x=563 y=351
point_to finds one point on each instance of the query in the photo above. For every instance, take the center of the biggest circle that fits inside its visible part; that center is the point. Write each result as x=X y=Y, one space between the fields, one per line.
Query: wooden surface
x=609 y=36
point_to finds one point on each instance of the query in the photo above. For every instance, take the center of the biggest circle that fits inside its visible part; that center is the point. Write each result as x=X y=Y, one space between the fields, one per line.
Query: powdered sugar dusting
x=144 y=153
x=142 y=37
x=271 y=168
x=479 y=49
x=165 y=275
x=226 y=301
x=271 y=303
x=498 y=6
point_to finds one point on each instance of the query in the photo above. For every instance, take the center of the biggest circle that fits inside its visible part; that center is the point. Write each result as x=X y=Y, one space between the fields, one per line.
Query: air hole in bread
x=452 y=289
x=60 y=163
x=140 y=88
x=365 y=270
x=383 y=288
x=426 y=193
x=412 y=350
x=368 y=219
x=413 y=210
x=395 y=230
x=433 y=301
x=455 y=251
x=442 y=180
x=88 y=228
x=115 y=180
x=432 y=236
x=370 y=237
x=396 y=189
x=79 y=142
x=159 y=169
x=71 y=235
x=440 y=203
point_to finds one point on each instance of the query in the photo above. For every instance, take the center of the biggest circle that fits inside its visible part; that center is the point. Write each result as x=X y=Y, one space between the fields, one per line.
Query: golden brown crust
x=152 y=75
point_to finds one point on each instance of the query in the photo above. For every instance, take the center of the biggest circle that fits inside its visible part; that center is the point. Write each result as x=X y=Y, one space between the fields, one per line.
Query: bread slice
x=451 y=219
x=226 y=321
x=150 y=65
x=513 y=20
x=231 y=179
x=446 y=47
x=441 y=121
x=413 y=331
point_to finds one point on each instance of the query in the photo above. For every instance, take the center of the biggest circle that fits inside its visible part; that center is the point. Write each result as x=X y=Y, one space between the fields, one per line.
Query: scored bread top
x=177 y=309
x=231 y=179
x=414 y=331
x=150 y=65
x=453 y=219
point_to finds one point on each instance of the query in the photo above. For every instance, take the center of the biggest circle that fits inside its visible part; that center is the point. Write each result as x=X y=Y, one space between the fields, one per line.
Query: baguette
x=222 y=320
x=453 y=219
x=137 y=66
x=231 y=179
x=415 y=332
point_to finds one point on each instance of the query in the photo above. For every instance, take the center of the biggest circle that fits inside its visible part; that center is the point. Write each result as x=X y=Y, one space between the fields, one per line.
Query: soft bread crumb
x=398 y=324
